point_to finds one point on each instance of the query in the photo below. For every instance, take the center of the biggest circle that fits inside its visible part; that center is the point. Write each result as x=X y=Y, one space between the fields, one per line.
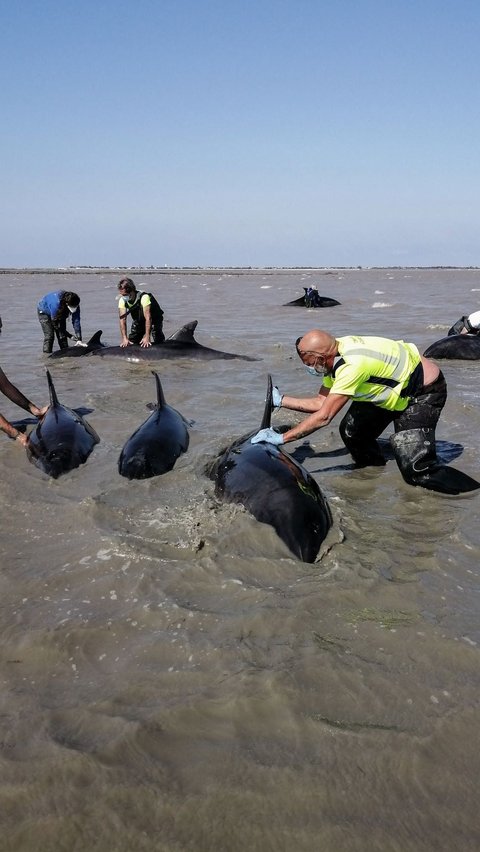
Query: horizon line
x=88 y=268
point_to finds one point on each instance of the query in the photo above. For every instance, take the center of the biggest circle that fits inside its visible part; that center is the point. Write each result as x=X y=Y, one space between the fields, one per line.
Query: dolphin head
x=57 y=461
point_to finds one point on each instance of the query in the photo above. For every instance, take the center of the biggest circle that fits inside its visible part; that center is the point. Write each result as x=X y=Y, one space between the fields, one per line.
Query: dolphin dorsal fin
x=267 y=413
x=185 y=333
x=53 y=396
x=95 y=339
x=160 y=397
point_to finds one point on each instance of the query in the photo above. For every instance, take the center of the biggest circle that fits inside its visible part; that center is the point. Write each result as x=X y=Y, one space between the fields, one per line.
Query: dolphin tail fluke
x=267 y=414
x=160 y=396
x=185 y=333
x=53 y=395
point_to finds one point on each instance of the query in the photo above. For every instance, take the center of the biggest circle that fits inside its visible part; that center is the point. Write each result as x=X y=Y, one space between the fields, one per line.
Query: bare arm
x=145 y=341
x=330 y=405
x=123 y=326
x=10 y=430
x=311 y=403
x=18 y=397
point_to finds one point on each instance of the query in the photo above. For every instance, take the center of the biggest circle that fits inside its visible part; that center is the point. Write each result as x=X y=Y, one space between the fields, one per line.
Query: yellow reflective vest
x=374 y=369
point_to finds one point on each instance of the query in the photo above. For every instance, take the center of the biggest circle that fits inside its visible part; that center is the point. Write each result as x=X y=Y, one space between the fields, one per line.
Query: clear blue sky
x=240 y=132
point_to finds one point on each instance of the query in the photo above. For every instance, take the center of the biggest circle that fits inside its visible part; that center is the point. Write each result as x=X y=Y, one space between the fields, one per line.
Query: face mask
x=315 y=371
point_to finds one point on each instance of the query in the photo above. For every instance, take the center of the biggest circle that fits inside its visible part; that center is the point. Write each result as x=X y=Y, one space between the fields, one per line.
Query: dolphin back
x=325 y=302
x=156 y=445
x=463 y=347
x=180 y=344
x=275 y=488
x=62 y=440
x=277 y=491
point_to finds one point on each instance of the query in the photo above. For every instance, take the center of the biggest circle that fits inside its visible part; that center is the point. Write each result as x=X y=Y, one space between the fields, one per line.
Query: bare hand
x=22 y=439
x=145 y=342
x=126 y=343
x=39 y=412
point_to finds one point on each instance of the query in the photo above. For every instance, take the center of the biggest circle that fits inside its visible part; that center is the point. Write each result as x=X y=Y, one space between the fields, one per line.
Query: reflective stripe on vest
x=390 y=384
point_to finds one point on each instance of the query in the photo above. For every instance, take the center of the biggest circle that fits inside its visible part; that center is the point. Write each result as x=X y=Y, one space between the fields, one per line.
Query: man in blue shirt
x=53 y=311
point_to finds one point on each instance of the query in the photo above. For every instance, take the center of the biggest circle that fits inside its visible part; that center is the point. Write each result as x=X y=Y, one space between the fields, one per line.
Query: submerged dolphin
x=62 y=440
x=181 y=344
x=156 y=445
x=325 y=302
x=464 y=347
x=275 y=488
x=77 y=351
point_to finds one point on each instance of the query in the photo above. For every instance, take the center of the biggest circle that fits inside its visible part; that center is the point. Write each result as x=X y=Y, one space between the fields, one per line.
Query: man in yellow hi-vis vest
x=384 y=381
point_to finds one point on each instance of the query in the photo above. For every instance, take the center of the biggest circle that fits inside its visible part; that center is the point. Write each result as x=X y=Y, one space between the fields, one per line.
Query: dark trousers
x=364 y=422
x=50 y=330
x=137 y=331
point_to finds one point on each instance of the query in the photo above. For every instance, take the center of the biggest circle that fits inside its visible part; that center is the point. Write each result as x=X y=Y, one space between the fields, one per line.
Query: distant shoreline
x=210 y=270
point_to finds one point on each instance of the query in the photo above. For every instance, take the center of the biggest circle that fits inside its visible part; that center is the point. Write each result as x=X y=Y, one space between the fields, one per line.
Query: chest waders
x=364 y=422
x=137 y=330
x=413 y=443
x=53 y=328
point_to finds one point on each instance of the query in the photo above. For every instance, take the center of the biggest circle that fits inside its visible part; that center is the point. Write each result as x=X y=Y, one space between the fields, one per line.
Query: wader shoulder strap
x=129 y=310
x=415 y=381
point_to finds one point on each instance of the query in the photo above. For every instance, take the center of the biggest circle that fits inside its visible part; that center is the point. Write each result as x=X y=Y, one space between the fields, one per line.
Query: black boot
x=416 y=456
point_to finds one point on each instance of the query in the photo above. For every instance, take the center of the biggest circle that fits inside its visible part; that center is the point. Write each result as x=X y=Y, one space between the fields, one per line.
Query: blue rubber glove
x=267 y=436
x=276 y=397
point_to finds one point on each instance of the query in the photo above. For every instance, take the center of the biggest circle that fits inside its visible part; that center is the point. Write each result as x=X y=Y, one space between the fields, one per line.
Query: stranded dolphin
x=182 y=344
x=463 y=347
x=322 y=302
x=275 y=488
x=157 y=443
x=77 y=351
x=62 y=440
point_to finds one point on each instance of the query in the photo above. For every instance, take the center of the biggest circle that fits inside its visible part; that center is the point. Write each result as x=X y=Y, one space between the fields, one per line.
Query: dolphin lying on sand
x=62 y=440
x=275 y=488
x=463 y=347
x=156 y=445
